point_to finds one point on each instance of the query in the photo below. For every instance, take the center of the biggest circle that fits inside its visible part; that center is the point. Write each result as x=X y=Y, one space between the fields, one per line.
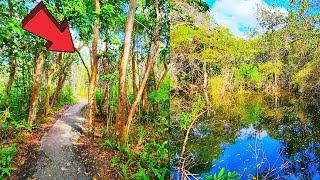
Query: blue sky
x=277 y=3
x=240 y=15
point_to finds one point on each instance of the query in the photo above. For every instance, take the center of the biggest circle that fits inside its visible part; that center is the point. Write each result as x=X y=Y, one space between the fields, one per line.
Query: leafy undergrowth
x=6 y=156
x=20 y=142
x=96 y=160
x=144 y=158
x=222 y=175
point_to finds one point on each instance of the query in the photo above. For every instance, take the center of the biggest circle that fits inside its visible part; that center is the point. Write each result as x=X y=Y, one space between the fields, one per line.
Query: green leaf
x=221 y=173
x=207 y=176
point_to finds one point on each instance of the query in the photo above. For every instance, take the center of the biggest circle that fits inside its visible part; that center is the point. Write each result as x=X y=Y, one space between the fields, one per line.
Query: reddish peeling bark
x=143 y=83
x=122 y=93
x=57 y=90
x=141 y=89
x=51 y=73
x=134 y=75
x=93 y=77
x=35 y=89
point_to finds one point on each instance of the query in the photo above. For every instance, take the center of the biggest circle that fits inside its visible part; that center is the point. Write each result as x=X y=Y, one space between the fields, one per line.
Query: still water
x=259 y=139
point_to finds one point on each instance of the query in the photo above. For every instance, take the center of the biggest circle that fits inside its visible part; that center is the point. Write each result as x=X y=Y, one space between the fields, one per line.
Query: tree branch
x=84 y=64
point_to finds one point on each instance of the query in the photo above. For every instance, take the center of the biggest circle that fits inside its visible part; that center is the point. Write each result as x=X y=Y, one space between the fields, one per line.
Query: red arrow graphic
x=41 y=23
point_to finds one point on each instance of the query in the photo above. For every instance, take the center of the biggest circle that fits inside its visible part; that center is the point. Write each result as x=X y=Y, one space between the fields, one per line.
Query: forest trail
x=56 y=159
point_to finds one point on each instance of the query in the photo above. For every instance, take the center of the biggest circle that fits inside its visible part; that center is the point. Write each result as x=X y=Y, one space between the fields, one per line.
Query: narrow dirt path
x=57 y=159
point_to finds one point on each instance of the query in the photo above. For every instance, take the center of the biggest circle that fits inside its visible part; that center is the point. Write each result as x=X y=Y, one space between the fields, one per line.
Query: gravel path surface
x=57 y=159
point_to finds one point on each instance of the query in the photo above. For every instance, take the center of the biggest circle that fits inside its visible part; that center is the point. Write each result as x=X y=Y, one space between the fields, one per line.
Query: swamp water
x=258 y=139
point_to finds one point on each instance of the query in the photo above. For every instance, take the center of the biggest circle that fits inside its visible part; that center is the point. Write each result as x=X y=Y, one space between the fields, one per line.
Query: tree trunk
x=62 y=76
x=134 y=77
x=94 y=71
x=141 y=89
x=83 y=63
x=105 y=100
x=144 y=81
x=145 y=102
x=165 y=72
x=58 y=89
x=12 y=64
x=154 y=78
x=35 y=89
x=122 y=94
x=205 y=82
x=51 y=73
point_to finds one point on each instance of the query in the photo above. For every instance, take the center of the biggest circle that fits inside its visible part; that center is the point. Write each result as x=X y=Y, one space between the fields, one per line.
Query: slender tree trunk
x=141 y=89
x=110 y=104
x=153 y=77
x=122 y=93
x=205 y=82
x=165 y=72
x=105 y=100
x=12 y=64
x=134 y=77
x=144 y=81
x=23 y=77
x=153 y=88
x=62 y=76
x=138 y=84
x=51 y=73
x=35 y=89
x=145 y=102
x=181 y=161
x=58 y=89
x=10 y=7
x=83 y=63
x=107 y=105
x=94 y=71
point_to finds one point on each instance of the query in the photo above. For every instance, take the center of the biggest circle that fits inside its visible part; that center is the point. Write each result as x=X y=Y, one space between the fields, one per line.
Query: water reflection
x=252 y=153
x=258 y=139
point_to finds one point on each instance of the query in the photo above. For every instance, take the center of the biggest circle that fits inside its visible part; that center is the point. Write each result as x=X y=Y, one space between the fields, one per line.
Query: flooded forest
x=245 y=107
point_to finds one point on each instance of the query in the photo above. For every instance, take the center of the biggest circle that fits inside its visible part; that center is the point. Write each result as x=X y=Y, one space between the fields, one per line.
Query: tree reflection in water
x=255 y=138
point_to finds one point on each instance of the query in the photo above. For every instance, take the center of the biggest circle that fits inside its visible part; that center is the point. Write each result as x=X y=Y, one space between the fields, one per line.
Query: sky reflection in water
x=257 y=150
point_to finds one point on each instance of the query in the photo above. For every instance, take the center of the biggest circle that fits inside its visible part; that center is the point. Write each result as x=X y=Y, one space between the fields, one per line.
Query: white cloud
x=237 y=14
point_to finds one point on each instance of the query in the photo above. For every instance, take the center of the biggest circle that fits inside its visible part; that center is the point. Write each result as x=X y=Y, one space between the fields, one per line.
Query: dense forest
x=245 y=107
x=119 y=67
